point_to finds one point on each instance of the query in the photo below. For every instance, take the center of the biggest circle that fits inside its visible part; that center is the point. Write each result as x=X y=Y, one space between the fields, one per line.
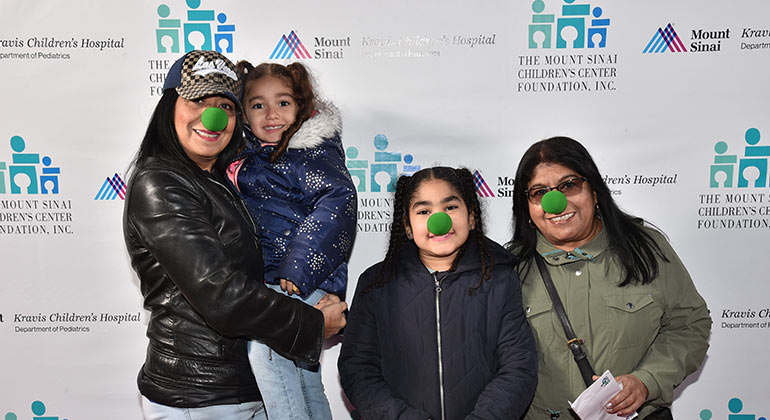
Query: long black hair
x=632 y=246
x=161 y=142
x=461 y=181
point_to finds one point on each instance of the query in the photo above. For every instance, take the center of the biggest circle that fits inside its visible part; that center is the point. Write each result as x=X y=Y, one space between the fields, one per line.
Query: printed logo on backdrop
x=322 y=47
x=184 y=26
x=70 y=322
x=482 y=188
x=665 y=40
x=586 y=31
x=617 y=182
x=706 y=40
x=336 y=47
x=198 y=30
x=567 y=44
x=504 y=186
x=735 y=196
x=734 y=408
x=38 y=409
x=745 y=318
x=753 y=39
x=701 y=40
x=290 y=46
x=112 y=188
x=738 y=195
x=30 y=202
x=37 y=47
x=375 y=174
x=417 y=46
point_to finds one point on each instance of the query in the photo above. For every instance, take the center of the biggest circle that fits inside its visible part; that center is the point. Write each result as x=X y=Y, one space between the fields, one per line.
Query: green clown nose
x=214 y=119
x=554 y=202
x=439 y=223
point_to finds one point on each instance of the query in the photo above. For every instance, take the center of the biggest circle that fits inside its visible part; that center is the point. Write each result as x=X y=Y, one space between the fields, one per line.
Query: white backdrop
x=450 y=82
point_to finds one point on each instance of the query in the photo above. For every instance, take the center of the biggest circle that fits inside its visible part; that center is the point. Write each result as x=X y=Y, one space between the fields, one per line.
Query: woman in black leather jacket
x=197 y=256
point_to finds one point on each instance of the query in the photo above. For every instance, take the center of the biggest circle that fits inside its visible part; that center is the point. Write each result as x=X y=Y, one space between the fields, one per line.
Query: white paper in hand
x=591 y=403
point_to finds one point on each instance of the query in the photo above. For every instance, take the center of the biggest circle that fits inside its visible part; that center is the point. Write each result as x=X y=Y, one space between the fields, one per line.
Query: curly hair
x=461 y=181
x=297 y=78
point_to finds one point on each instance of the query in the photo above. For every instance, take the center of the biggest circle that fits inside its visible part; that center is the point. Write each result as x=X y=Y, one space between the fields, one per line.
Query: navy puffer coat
x=304 y=204
x=390 y=365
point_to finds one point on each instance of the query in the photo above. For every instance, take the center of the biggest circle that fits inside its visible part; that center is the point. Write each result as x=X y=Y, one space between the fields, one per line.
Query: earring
x=531 y=223
x=409 y=235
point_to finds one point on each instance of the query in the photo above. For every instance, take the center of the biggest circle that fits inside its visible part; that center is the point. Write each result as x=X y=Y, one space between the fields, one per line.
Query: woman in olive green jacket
x=625 y=291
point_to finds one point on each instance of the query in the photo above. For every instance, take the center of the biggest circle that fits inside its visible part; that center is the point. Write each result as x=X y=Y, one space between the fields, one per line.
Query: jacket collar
x=469 y=261
x=556 y=256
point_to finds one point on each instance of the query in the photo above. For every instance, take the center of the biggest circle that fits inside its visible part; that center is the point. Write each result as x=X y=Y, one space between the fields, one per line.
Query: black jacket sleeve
x=180 y=232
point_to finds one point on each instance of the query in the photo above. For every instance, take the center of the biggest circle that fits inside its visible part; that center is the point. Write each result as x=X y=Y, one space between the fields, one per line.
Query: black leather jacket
x=198 y=259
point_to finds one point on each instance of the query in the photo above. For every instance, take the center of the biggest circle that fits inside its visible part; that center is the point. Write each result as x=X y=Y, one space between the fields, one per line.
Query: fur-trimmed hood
x=324 y=124
x=304 y=204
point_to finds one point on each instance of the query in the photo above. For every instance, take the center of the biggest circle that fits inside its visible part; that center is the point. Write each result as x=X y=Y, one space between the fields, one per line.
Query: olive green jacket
x=657 y=332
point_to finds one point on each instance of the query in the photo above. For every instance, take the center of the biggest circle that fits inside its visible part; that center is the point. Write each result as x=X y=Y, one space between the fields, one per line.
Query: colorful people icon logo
x=541 y=24
x=383 y=171
x=752 y=168
x=49 y=180
x=723 y=164
x=734 y=406
x=23 y=169
x=197 y=31
x=224 y=33
x=24 y=164
x=572 y=17
x=38 y=409
x=198 y=26
x=598 y=27
x=572 y=30
x=756 y=157
x=357 y=168
x=167 y=28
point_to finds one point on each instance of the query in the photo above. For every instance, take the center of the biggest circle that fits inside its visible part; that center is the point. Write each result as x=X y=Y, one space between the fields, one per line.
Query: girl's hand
x=289 y=287
x=628 y=399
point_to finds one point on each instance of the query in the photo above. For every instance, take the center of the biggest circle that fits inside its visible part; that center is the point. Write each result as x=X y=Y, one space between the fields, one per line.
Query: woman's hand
x=628 y=399
x=334 y=318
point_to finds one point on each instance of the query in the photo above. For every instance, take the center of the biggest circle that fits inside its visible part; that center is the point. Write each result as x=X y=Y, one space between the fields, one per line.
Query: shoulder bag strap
x=586 y=371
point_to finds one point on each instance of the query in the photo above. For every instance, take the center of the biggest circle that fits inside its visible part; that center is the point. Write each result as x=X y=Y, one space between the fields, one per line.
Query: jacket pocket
x=633 y=319
x=541 y=317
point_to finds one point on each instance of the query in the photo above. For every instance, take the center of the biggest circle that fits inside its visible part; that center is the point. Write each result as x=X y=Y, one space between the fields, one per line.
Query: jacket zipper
x=437 y=284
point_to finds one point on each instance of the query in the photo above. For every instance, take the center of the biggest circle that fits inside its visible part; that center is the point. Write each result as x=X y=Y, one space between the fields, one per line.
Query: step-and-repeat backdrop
x=671 y=98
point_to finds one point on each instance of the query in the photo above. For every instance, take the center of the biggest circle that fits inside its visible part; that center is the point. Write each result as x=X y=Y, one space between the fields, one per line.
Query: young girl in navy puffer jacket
x=436 y=330
x=293 y=179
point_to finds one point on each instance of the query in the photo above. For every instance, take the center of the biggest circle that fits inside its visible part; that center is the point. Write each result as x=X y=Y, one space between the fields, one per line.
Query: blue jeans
x=290 y=391
x=246 y=411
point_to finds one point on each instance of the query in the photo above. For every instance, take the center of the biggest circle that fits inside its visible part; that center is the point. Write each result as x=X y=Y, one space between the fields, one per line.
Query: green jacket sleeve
x=681 y=344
